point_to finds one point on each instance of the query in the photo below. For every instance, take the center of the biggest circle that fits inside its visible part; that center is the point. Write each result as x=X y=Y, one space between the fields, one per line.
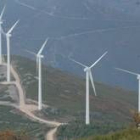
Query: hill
x=65 y=95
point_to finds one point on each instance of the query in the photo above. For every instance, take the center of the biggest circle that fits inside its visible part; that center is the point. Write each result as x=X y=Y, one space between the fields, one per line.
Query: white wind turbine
x=138 y=77
x=1 y=22
x=89 y=77
x=39 y=57
x=8 y=36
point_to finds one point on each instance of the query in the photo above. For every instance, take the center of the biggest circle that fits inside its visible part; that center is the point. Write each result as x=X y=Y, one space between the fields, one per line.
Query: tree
x=136 y=119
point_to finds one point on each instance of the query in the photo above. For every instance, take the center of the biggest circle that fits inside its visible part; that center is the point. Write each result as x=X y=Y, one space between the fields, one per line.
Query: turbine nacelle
x=8 y=35
x=86 y=69
x=40 y=56
x=138 y=77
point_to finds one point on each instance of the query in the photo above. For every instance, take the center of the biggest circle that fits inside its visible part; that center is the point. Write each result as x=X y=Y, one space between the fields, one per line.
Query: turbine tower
x=8 y=36
x=89 y=77
x=39 y=57
x=1 y=22
x=138 y=77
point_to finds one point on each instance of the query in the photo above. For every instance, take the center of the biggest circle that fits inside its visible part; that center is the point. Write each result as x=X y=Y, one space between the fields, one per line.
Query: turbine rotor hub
x=9 y=35
x=41 y=56
x=86 y=69
x=138 y=77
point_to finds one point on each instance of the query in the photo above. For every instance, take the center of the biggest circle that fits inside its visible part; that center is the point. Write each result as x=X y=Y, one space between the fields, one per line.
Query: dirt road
x=51 y=134
x=28 y=109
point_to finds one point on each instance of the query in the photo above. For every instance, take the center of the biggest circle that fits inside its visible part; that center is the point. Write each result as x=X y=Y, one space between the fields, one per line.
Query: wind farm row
x=39 y=56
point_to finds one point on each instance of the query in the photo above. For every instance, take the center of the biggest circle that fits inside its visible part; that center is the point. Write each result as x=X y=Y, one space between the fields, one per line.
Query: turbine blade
x=30 y=52
x=126 y=71
x=12 y=28
x=98 y=60
x=37 y=64
x=44 y=44
x=3 y=10
x=92 y=82
x=78 y=62
x=2 y=32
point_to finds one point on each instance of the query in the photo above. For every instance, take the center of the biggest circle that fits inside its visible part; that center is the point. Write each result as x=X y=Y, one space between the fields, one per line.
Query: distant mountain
x=82 y=29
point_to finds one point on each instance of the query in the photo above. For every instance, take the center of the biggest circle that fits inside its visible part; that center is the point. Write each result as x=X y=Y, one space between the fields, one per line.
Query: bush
x=136 y=118
x=10 y=135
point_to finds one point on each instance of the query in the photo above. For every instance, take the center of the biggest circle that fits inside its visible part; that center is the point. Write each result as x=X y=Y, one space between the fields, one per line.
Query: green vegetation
x=11 y=119
x=55 y=114
x=79 y=130
x=65 y=94
x=10 y=135
x=4 y=94
x=97 y=131
x=128 y=134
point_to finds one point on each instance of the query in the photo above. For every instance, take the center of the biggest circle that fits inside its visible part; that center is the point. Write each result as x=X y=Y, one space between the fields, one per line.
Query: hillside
x=67 y=92
x=129 y=134
x=14 y=121
x=65 y=95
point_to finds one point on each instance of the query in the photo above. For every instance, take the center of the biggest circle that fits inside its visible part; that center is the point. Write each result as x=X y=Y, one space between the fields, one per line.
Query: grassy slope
x=129 y=134
x=11 y=119
x=110 y=111
x=67 y=92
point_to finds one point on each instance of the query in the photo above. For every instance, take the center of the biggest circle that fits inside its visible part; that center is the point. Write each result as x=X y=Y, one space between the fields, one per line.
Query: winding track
x=29 y=109
x=51 y=134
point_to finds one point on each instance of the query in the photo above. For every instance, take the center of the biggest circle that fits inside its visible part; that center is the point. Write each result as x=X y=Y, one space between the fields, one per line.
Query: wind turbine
x=8 y=36
x=39 y=57
x=1 y=22
x=138 y=77
x=89 y=77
